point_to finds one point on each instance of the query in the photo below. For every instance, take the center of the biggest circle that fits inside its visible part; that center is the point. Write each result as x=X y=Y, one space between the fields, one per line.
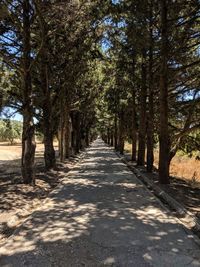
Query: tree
x=161 y=67
x=163 y=98
x=10 y=130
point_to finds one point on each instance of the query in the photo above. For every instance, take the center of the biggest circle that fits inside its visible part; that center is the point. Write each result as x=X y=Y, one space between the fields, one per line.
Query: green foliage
x=10 y=130
x=6 y=85
x=191 y=144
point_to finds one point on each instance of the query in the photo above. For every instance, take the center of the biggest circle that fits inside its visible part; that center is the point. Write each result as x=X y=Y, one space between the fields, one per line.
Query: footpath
x=101 y=215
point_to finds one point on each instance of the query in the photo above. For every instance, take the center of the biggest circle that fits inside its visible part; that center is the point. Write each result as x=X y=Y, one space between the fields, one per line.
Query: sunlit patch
x=109 y=260
x=161 y=233
x=154 y=237
x=175 y=250
x=56 y=227
x=180 y=240
x=147 y=257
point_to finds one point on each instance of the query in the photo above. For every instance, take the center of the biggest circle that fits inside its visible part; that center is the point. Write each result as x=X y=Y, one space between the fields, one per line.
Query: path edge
x=190 y=222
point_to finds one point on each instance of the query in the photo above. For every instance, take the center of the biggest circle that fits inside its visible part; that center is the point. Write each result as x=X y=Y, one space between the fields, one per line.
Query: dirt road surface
x=100 y=215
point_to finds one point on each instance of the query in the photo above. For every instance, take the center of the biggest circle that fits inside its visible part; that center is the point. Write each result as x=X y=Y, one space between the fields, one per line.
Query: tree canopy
x=125 y=70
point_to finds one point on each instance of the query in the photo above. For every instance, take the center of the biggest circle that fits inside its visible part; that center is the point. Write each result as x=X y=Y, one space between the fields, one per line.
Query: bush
x=10 y=130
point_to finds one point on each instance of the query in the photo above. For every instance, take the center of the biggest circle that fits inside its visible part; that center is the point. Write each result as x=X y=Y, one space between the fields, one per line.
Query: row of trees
x=50 y=51
x=154 y=95
x=130 y=67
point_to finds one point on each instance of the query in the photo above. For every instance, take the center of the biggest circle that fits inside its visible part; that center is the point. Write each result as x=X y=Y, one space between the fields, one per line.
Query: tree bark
x=121 y=133
x=77 y=131
x=87 y=138
x=61 y=138
x=49 y=152
x=150 y=115
x=108 y=136
x=164 y=142
x=67 y=130
x=64 y=142
x=62 y=128
x=28 y=135
x=134 y=123
x=112 y=137
x=142 y=114
x=1 y=100
x=134 y=128
x=115 y=132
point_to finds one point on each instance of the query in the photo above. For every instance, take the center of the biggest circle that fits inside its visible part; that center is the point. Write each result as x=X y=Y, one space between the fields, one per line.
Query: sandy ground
x=17 y=200
x=10 y=156
x=183 y=167
x=101 y=215
x=184 y=189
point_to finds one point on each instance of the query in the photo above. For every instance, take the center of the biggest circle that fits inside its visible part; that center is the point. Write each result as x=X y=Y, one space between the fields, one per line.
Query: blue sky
x=8 y=112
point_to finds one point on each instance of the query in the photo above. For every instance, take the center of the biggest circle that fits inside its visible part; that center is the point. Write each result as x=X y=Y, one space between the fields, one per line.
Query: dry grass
x=181 y=166
x=10 y=156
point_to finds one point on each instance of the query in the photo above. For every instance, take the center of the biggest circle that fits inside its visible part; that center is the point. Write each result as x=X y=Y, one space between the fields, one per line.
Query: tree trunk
x=164 y=142
x=87 y=138
x=73 y=140
x=134 y=128
x=67 y=131
x=1 y=100
x=49 y=152
x=108 y=136
x=77 y=132
x=150 y=115
x=116 y=133
x=112 y=137
x=142 y=114
x=121 y=133
x=134 y=123
x=28 y=135
x=62 y=139
x=62 y=128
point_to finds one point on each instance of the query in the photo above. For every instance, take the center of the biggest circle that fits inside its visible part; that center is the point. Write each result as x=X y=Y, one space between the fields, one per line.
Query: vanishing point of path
x=101 y=215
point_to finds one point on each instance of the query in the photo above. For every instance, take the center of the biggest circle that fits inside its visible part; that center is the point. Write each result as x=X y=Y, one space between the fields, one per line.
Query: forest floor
x=101 y=215
x=185 y=186
x=18 y=200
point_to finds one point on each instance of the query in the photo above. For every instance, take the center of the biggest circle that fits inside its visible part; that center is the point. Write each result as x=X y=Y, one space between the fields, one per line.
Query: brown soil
x=186 y=192
x=187 y=169
x=184 y=183
x=18 y=200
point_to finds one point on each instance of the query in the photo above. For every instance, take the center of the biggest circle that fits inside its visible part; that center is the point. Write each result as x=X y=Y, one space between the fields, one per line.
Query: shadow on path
x=101 y=215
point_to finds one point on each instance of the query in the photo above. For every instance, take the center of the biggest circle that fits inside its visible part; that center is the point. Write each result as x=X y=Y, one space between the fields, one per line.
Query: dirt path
x=101 y=215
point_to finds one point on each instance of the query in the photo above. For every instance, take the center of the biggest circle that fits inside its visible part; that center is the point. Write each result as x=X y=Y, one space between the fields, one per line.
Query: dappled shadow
x=184 y=192
x=13 y=194
x=19 y=199
x=100 y=216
